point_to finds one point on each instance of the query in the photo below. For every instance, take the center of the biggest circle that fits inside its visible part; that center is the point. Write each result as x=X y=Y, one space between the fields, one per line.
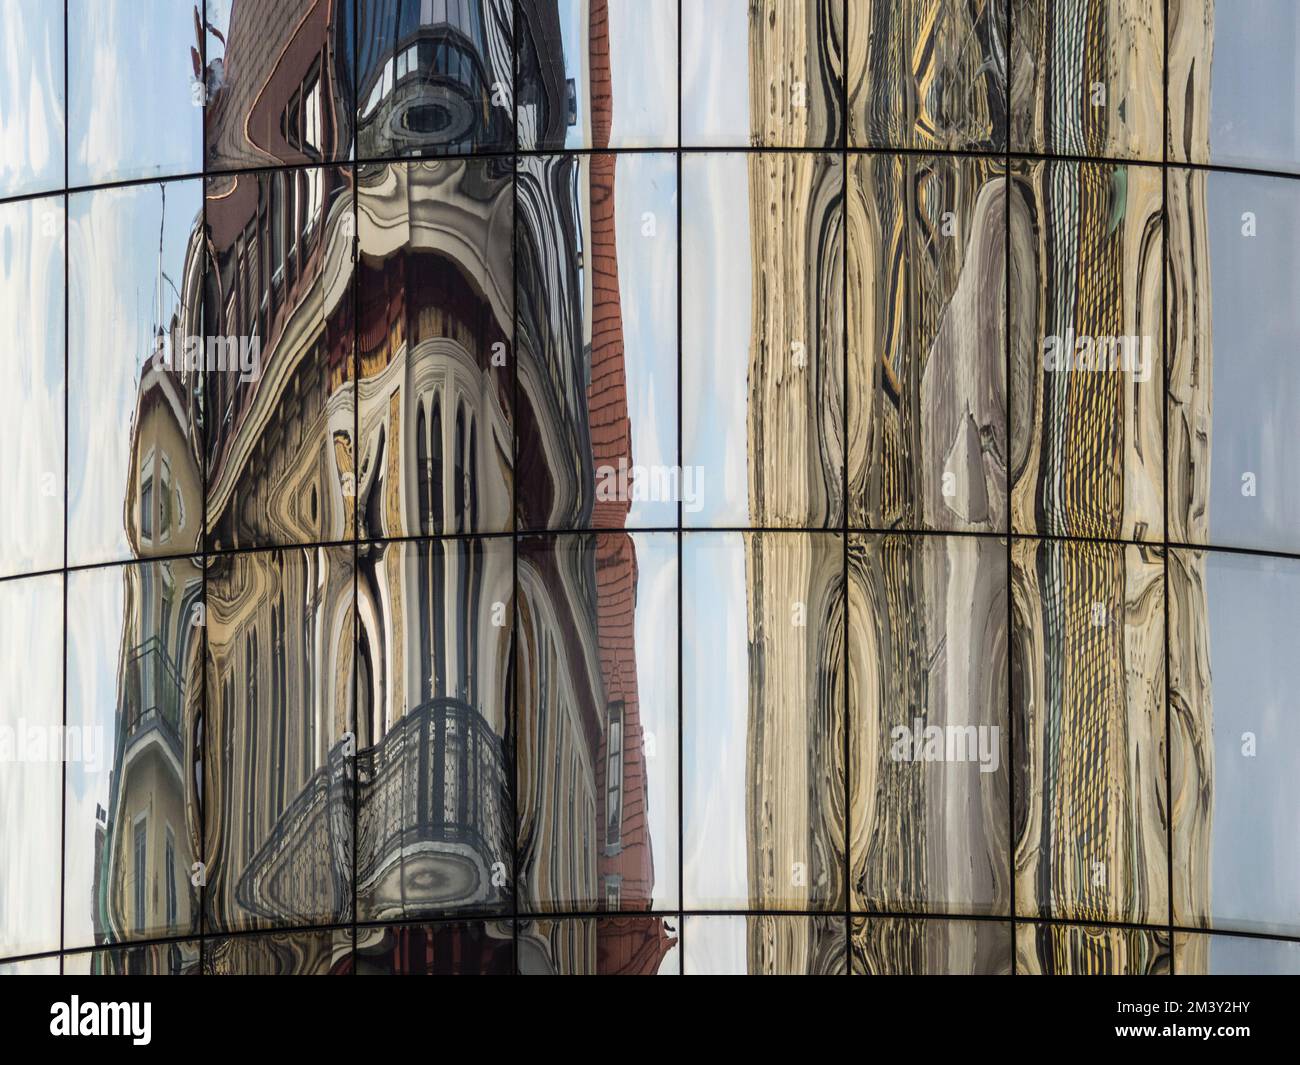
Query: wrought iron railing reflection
x=153 y=693
x=437 y=777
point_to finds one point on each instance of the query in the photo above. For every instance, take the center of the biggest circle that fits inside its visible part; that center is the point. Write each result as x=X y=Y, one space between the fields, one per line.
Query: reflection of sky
x=132 y=112
x=113 y=301
x=715 y=73
x=1255 y=324
x=94 y=643
x=31 y=696
x=648 y=298
x=1243 y=956
x=31 y=96
x=1254 y=615
x=31 y=385
x=643 y=70
x=1255 y=84
x=715 y=675
x=715 y=332
x=716 y=945
x=656 y=680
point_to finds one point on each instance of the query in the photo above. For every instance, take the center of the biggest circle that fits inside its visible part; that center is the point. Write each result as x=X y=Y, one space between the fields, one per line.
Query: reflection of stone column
x=1191 y=368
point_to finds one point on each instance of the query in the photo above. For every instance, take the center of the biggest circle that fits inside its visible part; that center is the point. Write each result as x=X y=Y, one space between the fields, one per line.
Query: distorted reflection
x=597 y=341
x=279 y=319
x=278 y=774
x=928 y=776
x=32 y=385
x=597 y=74
x=1087 y=78
x=1234 y=396
x=134 y=697
x=123 y=124
x=135 y=278
x=905 y=946
x=927 y=423
x=434 y=825
x=764 y=945
x=435 y=77
x=148 y=959
x=31 y=97
x=604 y=946
x=1234 y=677
x=1078 y=950
x=1088 y=702
x=597 y=625
x=765 y=73
x=763 y=338
x=763 y=720
x=436 y=308
x=302 y=953
x=452 y=948
x=280 y=82
x=1232 y=68
x=927 y=76
x=1087 y=351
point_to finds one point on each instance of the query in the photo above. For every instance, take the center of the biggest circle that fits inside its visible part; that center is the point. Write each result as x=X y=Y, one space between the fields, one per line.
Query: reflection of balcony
x=433 y=818
x=433 y=815
x=152 y=696
x=297 y=872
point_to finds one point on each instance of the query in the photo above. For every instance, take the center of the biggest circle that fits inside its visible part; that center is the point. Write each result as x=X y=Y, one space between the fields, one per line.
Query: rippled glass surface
x=1087 y=78
x=927 y=397
x=902 y=946
x=279 y=744
x=606 y=946
x=767 y=74
x=763 y=721
x=597 y=340
x=1080 y=950
x=927 y=75
x=1235 y=386
x=434 y=77
x=435 y=328
x=449 y=948
x=928 y=747
x=597 y=75
x=279 y=358
x=299 y=953
x=434 y=826
x=1087 y=350
x=597 y=769
x=764 y=945
x=31 y=96
x=1088 y=701
x=280 y=84
x=135 y=685
x=123 y=125
x=135 y=478
x=763 y=339
x=1233 y=682
x=1232 y=77
x=32 y=385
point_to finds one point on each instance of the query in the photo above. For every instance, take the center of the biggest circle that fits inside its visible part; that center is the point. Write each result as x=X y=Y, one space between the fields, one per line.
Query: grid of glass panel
x=640 y=486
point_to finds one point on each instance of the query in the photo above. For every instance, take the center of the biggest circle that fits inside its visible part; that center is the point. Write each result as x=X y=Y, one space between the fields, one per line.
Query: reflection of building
x=434 y=77
x=584 y=836
x=146 y=841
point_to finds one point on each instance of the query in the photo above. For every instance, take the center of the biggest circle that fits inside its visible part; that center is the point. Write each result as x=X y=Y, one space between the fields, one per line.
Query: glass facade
x=649 y=487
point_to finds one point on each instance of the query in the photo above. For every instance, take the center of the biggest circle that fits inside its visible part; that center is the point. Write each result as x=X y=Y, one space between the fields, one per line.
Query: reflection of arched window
x=435 y=466
x=473 y=473
x=422 y=472
x=458 y=486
